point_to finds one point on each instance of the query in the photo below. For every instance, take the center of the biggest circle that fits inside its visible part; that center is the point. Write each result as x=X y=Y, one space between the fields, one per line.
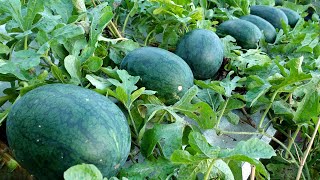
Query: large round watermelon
x=161 y=71
x=203 y=51
x=57 y=126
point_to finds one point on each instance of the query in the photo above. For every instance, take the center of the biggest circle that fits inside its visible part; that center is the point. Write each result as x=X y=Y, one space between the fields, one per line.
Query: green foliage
x=83 y=42
x=212 y=161
x=83 y=171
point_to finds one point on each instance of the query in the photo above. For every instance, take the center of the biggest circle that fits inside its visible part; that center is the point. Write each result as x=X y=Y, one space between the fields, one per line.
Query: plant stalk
x=283 y=146
x=116 y=30
x=239 y=133
x=94 y=3
x=207 y=175
x=222 y=112
x=306 y=153
x=132 y=122
x=292 y=139
x=267 y=110
x=147 y=38
x=26 y=42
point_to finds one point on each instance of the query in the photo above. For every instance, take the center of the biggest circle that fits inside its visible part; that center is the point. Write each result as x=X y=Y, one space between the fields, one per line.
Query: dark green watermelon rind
x=65 y=123
x=271 y=14
x=293 y=17
x=161 y=71
x=246 y=33
x=269 y=31
x=203 y=52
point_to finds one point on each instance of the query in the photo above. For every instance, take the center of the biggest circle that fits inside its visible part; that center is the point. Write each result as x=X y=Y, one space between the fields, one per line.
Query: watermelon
x=203 y=51
x=272 y=14
x=161 y=71
x=56 y=126
x=246 y=33
x=268 y=30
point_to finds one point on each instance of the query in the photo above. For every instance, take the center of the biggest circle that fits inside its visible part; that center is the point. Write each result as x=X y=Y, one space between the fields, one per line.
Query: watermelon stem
x=132 y=122
x=292 y=139
x=222 y=111
x=267 y=110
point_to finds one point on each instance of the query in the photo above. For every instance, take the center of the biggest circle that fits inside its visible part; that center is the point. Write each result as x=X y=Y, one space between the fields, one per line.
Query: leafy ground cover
x=83 y=43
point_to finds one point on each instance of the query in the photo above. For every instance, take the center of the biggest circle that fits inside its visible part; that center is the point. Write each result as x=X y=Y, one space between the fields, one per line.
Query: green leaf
x=157 y=169
x=4 y=49
x=182 y=157
x=99 y=16
x=282 y=171
x=127 y=81
x=73 y=67
x=80 y=6
x=122 y=96
x=242 y=4
x=93 y=64
x=83 y=171
x=308 y=108
x=233 y=104
x=47 y=21
x=259 y=166
x=33 y=8
x=224 y=169
x=255 y=93
x=139 y=92
x=210 y=97
x=20 y=63
x=191 y=171
x=250 y=59
x=26 y=59
x=230 y=85
x=13 y=7
x=283 y=108
x=265 y=2
x=66 y=32
x=233 y=118
x=57 y=73
x=120 y=49
x=236 y=168
x=168 y=136
x=5 y=37
x=63 y=8
x=98 y=82
x=199 y=144
x=296 y=74
x=201 y=112
x=253 y=148
x=213 y=85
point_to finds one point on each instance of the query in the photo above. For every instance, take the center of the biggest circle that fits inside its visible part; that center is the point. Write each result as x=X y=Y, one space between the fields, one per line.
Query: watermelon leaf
x=98 y=82
x=33 y=8
x=4 y=49
x=83 y=171
x=296 y=74
x=201 y=112
x=253 y=148
x=167 y=136
x=100 y=16
x=308 y=107
x=157 y=169
x=229 y=84
x=63 y=8
x=93 y=64
x=13 y=7
x=200 y=145
x=73 y=67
